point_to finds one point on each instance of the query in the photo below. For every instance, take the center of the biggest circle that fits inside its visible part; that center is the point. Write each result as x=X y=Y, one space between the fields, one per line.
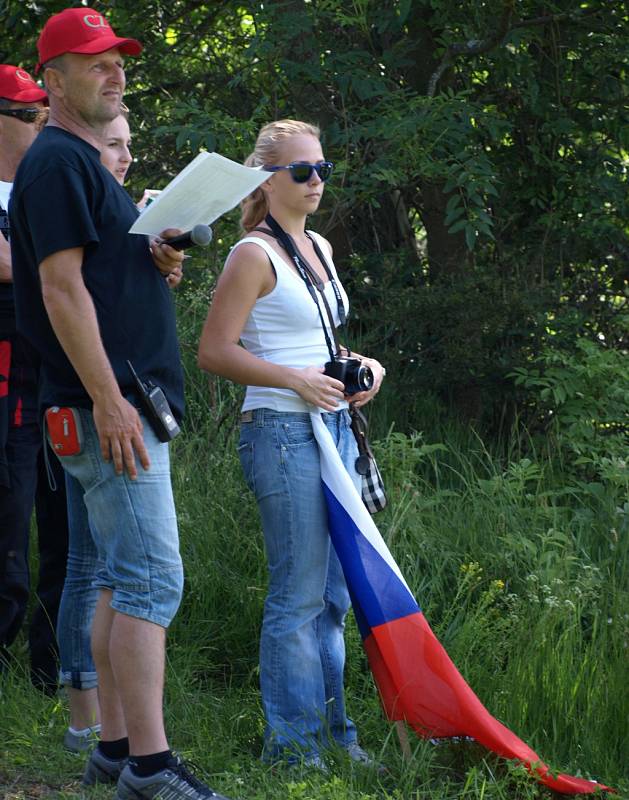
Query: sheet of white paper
x=207 y=187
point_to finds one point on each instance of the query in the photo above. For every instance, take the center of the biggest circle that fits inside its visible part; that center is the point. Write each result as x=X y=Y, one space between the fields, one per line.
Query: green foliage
x=481 y=147
x=583 y=408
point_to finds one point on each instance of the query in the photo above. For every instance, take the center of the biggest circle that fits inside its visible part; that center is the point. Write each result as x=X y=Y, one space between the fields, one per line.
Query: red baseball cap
x=17 y=85
x=80 y=30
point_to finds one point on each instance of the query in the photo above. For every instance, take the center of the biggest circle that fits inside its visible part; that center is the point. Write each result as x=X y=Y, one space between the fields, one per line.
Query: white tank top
x=284 y=327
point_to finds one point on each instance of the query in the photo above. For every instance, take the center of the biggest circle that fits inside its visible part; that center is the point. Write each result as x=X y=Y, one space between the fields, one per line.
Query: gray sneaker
x=362 y=757
x=100 y=769
x=174 y=782
x=80 y=744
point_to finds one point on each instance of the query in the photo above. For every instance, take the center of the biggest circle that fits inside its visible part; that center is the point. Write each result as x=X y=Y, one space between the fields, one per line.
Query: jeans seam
x=287 y=588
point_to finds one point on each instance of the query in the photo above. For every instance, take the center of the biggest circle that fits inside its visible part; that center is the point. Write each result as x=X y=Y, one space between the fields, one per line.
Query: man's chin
x=105 y=116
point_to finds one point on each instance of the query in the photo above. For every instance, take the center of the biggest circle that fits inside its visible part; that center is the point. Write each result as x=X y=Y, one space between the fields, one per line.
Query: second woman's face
x=115 y=155
x=300 y=197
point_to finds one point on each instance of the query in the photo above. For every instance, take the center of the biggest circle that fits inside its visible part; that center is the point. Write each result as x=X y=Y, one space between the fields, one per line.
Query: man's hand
x=167 y=259
x=119 y=430
x=6 y=273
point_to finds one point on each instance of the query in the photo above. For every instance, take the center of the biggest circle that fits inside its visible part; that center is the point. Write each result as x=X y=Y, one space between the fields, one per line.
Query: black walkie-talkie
x=156 y=408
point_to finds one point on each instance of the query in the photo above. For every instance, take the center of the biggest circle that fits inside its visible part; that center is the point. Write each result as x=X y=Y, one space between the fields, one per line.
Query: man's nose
x=117 y=74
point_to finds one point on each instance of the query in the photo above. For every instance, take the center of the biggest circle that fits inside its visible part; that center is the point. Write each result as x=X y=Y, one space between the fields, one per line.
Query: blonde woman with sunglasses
x=265 y=330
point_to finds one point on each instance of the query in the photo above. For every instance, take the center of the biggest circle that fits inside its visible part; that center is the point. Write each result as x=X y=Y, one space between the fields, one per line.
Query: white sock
x=84 y=732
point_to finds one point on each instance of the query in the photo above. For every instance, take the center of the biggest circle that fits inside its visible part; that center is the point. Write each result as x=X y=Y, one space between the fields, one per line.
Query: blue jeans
x=78 y=601
x=123 y=537
x=302 y=651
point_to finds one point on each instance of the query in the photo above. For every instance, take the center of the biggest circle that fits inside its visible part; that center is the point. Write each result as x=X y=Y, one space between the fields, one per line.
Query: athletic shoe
x=172 y=783
x=80 y=744
x=313 y=761
x=100 y=769
x=360 y=756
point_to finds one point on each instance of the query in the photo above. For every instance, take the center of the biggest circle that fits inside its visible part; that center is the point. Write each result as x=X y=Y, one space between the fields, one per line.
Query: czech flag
x=417 y=681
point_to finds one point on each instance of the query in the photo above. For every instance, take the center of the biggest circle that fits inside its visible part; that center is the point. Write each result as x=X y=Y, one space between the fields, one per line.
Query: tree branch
x=475 y=47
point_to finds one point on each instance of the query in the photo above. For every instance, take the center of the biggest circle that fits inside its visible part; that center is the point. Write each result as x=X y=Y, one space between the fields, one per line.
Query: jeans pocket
x=87 y=465
x=295 y=434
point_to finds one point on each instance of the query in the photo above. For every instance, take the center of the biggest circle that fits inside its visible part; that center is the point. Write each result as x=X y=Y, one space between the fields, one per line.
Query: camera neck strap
x=313 y=282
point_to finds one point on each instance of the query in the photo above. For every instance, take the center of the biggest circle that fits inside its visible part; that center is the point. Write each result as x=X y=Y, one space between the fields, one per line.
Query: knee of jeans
x=157 y=601
x=293 y=608
x=338 y=612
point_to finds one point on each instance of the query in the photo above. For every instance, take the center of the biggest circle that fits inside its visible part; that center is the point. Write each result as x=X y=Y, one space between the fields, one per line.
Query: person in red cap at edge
x=89 y=299
x=23 y=478
x=24 y=465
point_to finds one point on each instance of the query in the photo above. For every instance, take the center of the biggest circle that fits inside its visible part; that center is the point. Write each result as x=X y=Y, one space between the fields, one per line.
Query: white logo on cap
x=100 y=22
x=23 y=76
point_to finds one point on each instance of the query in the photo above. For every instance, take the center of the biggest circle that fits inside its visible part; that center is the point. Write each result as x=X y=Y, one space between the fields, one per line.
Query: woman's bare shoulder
x=246 y=252
x=250 y=264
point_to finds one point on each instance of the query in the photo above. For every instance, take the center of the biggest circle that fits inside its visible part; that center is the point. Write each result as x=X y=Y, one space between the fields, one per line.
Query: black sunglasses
x=28 y=115
x=301 y=172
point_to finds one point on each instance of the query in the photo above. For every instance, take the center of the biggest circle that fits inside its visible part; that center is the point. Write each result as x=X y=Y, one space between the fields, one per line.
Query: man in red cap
x=23 y=478
x=80 y=30
x=89 y=298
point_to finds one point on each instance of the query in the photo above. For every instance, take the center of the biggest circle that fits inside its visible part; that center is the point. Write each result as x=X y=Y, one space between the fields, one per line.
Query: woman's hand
x=173 y=279
x=318 y=389
x=360 y=398
x=149 y=195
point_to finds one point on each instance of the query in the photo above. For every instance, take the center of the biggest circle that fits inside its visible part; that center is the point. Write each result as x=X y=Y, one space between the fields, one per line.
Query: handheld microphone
x=200 y=235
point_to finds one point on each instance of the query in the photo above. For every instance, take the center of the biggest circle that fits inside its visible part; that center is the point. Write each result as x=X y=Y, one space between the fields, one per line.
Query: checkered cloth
x=373 y=493
x=372 y=488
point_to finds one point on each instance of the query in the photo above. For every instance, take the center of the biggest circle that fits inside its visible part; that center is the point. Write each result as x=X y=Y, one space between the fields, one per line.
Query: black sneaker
x=174 y=782
x=100 y=769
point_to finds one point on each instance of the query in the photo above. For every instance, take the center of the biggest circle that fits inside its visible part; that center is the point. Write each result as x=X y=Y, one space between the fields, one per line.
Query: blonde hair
x=255 y=206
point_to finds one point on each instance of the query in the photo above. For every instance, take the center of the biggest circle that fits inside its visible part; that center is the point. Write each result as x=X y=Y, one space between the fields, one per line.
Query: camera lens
x=364 y=379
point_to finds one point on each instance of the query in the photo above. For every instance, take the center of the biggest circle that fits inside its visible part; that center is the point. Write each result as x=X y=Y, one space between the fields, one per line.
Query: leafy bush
x=581 y=404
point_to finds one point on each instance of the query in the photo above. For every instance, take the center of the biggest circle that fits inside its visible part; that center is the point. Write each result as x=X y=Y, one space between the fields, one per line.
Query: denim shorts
x=134 y=527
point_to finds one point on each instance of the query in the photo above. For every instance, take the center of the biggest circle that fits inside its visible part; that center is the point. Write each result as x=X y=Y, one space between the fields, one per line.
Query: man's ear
x=53 y=80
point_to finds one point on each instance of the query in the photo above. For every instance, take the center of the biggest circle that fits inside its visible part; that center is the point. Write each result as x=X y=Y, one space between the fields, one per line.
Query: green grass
x=522 y=572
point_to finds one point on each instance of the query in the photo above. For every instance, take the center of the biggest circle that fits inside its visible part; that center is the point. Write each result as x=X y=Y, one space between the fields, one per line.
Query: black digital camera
x=156 y=408
x=355 y=376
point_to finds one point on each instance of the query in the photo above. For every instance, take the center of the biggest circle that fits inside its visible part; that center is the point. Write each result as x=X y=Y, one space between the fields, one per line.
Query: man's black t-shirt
x=64 y=198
